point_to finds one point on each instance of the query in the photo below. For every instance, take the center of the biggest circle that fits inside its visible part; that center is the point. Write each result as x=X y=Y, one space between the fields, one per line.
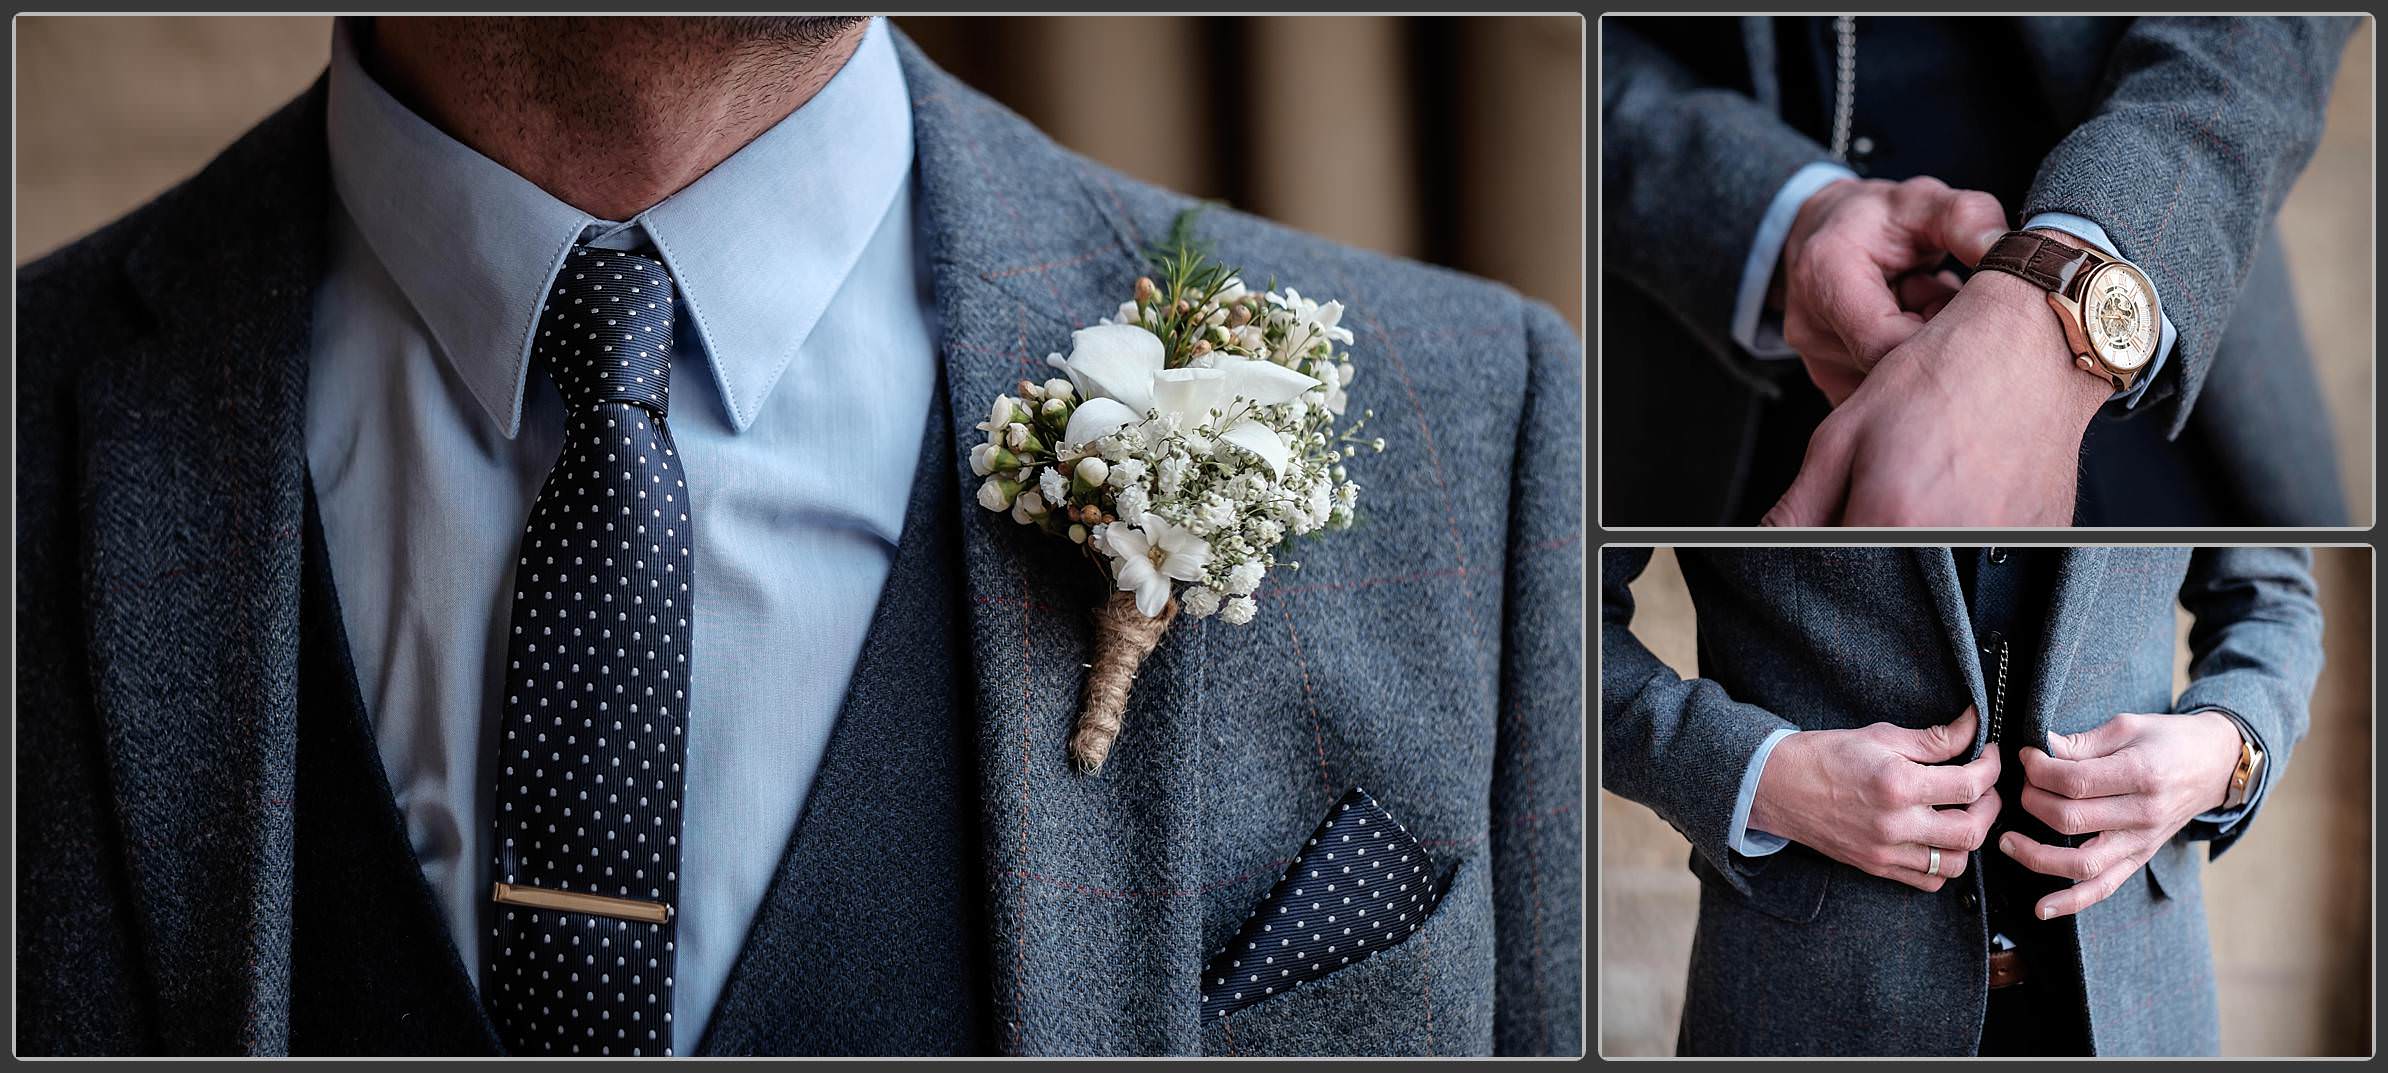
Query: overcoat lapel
x=1093 y=950
x=193 y=511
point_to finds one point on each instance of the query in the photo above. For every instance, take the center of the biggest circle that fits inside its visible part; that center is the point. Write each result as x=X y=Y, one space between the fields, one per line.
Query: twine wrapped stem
x=1124 y=636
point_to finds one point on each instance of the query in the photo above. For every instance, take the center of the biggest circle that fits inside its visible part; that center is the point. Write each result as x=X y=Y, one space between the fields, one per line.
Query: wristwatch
x=2243 y=777
x=2105 y=304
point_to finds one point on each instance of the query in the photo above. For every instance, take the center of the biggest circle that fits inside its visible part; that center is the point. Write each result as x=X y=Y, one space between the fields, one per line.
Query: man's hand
x=1975 y=420
x=1866 y=797
x=2134 y=783
x=1853 y=279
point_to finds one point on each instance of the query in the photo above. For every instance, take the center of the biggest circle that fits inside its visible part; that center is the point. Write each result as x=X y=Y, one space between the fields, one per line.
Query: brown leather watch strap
x=2050 y=265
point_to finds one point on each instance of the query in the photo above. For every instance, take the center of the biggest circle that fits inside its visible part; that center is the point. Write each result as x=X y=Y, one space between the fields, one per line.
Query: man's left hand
x=2134 y=783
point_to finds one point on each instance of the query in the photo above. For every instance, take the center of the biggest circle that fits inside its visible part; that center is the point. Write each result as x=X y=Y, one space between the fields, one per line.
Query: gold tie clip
x=576 y=902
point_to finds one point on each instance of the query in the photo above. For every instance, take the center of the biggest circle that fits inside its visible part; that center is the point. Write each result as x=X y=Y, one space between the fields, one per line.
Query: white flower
x=1239 y=611
x=1132 y=501
x=1308 y=323
x=994 y=495
x=1149 y=554
x=1005 y=410
x=1266 y=532
x=980 y=463
x=1117 y=369
x=1027 y=508
x=1199 y=601
x=1015 y=436
x=1214 y=513
x=1172 y=474
x=1057 y=388
x=1053 y=486
x=1093 y=471
x=1243 y=578
x=1126 y=471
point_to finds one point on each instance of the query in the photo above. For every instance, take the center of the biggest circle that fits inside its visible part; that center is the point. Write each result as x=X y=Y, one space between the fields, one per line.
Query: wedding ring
x=1933 y=869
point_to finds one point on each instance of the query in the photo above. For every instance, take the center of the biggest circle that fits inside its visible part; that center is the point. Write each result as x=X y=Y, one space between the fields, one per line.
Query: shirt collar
x=757 y=247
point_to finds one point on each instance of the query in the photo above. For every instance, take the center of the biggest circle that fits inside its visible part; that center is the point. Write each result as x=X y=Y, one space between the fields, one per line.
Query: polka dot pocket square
x=1360 y=885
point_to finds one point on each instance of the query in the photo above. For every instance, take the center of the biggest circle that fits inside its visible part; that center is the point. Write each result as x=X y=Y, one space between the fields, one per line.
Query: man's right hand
x=1867 y=797
x=1852 y=285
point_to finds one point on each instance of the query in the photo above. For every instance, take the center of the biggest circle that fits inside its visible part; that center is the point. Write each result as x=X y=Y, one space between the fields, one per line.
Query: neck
x=609 y=115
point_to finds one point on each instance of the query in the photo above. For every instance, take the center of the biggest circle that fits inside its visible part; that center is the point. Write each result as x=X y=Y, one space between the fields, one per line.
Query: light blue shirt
x=802 y=368
x=1761 y=333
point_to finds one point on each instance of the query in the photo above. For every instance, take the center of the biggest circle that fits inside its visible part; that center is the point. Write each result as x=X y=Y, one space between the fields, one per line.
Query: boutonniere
x=1195 y=433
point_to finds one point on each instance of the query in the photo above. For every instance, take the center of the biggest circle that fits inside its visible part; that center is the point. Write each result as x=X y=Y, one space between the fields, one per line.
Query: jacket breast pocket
x=1430 y=994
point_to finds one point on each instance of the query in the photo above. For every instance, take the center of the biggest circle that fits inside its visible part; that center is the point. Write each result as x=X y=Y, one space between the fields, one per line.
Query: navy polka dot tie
x=588 y=789
x=1362 y=884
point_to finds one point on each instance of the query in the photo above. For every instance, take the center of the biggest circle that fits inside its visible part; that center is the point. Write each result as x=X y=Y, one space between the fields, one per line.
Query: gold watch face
x=2118 y=314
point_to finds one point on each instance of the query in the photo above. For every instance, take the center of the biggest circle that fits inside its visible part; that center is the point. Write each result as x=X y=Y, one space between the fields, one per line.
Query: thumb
x=1934 y=744
x=1816 y=494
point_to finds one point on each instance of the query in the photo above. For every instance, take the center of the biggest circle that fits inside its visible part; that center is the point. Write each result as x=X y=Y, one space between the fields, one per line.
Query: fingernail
x=2047 y=911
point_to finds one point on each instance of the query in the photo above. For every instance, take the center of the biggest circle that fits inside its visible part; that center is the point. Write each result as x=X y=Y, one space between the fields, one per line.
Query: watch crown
x=2081 y=360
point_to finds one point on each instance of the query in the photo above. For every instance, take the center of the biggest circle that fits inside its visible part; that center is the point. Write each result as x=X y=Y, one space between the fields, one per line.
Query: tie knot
x=605 y=334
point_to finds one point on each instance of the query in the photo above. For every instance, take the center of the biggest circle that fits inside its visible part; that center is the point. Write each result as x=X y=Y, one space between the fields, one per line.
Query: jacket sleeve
x=2255 y=650
x=1687 y=170
x=1537 y=838
x=1680 y=747
x=2185 y=160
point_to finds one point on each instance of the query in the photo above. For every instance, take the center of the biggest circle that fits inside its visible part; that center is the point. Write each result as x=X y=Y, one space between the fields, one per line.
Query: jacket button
x=1969 y=899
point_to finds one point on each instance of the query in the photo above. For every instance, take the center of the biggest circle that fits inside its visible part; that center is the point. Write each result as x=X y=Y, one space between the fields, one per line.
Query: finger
x=2103 y=776
x=1944 y=741
x=2076 y=863
x=1962 y=222
x=2066 y=815
x=1956 y=829
x=1848 y=294
x=1815 y=495
x=1916 y=857
x=1926 y=295
x=2089 y=892
x=1917 y=877
x=1944 y=784
x=2100 y=740
x=1836 y=381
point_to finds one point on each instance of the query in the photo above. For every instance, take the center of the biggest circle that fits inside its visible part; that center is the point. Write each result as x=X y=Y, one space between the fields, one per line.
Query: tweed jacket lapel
x=1089 y=954
x=2080 y=573
x=194 y=501
x=1939 y=569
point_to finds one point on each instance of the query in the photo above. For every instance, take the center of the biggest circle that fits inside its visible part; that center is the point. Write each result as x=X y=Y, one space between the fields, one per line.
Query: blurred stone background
x=1453 y=140
x=2289 y=908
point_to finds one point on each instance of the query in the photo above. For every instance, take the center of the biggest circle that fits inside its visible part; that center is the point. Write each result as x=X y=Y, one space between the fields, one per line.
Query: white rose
x=994 y=496
x=1093 y=471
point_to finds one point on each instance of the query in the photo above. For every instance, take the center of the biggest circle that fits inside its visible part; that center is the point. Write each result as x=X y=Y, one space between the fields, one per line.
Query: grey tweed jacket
x=2180 y=136
x=1432 y=654
x=1798 y=954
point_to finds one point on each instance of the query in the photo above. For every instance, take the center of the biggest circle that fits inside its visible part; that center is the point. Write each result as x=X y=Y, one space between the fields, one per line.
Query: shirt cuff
x=2225 y=819
x=1740 y=839
x=2087 y=230
x=1760 y=332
